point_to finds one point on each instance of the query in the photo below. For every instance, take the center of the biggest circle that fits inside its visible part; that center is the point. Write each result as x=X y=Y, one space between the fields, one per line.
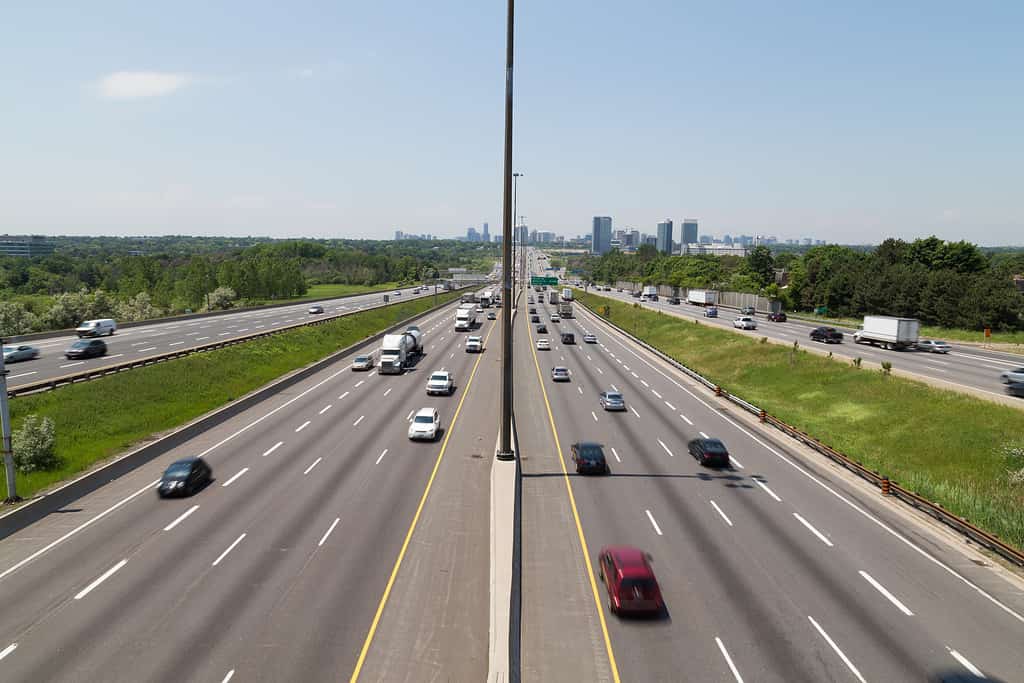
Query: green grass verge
x=946 y=446
x=928 y=331
x=331 y=290
x=95 y=420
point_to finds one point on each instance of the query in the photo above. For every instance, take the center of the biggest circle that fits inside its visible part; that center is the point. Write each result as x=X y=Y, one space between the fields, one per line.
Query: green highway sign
x=534 y=281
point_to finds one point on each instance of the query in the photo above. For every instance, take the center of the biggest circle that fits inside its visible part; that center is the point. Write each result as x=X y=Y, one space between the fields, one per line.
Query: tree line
x=949 y=284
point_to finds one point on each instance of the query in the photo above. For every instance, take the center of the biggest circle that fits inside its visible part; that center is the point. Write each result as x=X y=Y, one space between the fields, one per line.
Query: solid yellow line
x=576 y=517
x=415 y=519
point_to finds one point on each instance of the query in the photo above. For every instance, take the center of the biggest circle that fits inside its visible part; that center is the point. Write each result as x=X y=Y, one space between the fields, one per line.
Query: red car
x=629 y=579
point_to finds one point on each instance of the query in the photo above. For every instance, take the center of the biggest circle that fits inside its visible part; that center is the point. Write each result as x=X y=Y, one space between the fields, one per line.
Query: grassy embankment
x=95 y=420
x=947 y=446
x=927 y=331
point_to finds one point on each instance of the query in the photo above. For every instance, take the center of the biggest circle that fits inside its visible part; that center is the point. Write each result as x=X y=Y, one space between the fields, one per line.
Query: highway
x=299 y=562
x=159 y=337
x=968 y=367
x=781 y=568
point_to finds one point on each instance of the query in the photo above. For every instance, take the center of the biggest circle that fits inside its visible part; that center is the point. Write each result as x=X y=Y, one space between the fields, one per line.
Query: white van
x=96 y=328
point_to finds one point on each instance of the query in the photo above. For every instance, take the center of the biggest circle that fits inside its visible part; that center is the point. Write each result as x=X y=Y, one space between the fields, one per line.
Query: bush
x=33 y=445
x=222 y=298
x=15 y=319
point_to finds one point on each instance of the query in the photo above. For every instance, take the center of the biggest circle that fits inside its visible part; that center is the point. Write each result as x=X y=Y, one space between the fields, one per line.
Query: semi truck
x=397 y=350
x=486 y=298
x=650 y=293
x=566 y=294
x=701 y=297
x=565 y=308
x=888 y=332
x=465 y=317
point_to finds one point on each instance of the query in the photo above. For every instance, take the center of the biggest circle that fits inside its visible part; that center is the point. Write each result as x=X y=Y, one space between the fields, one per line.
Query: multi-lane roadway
x=158 y=337
x=968 y=367
x=286 y=566
x=780 y=568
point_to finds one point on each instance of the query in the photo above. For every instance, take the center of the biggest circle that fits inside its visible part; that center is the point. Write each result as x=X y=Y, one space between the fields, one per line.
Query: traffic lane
x=139 y=342
x=247 y=437
x=561 y=635
x=259 y=485
x=435 y=624
x=869 y=539
x=747 y=592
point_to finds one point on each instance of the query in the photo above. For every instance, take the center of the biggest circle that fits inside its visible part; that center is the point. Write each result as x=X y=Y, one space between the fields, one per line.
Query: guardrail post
x=886 y=486
x=718 y=390
x=762 y=416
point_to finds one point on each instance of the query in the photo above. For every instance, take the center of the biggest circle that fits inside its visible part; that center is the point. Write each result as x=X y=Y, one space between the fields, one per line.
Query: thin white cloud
x=303 y=74
x=124 y=85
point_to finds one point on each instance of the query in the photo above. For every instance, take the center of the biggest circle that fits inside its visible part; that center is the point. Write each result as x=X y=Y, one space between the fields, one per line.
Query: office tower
x=601 y=235
x=487 y=234
x=664 y=238
x=399 y=235
x=472 y=235
x=689 y=231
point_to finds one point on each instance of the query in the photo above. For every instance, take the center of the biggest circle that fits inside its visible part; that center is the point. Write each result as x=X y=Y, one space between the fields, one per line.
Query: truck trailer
x=701 y=297
x=465 y=318
x=888 y=332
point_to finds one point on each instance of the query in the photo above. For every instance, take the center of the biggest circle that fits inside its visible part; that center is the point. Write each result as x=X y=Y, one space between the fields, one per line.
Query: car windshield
x=439 y=378
x=362 y=359
x=424 y=419
x=178 y=470
x=611 y=396
x=591 y=453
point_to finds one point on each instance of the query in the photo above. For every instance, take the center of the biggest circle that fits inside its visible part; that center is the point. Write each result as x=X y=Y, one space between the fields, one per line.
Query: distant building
x=664 y=241
x=714 y=249
x=521 y=234
x=25 y=246
x=399 y=235
x=633 y=238
x=601 y=235
x=533 y=237
x=545 y=236
x=808 y=241
x=727 y=240
x=487 y=235
x=472 y=235
x=689 y=235
x=706 y=239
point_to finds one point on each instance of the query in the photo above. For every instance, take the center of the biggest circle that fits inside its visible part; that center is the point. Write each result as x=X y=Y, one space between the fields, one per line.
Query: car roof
x=426 y=411
x=631 y=561
x=439 y=372
x=186 y=461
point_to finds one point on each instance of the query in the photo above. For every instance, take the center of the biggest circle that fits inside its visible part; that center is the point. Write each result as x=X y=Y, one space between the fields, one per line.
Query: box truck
x=566 y=294
x=701 y=297
x=565 y=309
x=465 y=318
x=888 y=332
x=650 y=293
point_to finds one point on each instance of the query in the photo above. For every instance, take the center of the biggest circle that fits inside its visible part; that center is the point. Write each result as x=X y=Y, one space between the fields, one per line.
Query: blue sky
x=843 y=121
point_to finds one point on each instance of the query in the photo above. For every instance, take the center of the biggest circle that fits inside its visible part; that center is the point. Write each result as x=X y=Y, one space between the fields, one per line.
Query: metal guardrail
x=885 y=485
x=86 y=375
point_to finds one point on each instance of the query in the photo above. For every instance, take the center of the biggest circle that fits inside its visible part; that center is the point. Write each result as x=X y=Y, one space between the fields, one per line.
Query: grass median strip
x=98 y=419
x=964 y=453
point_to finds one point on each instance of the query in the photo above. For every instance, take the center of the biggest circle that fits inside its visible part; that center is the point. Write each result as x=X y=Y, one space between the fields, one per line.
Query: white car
x=479 y=309
x=397 y=293
x=745 y=322
x=589 y=339
x=543 y=344
x=474 y=344
x=363 y=362
x=555 y=318
x=1016 y=375
x=440 y=382
x=426 y=424
x=313 y=310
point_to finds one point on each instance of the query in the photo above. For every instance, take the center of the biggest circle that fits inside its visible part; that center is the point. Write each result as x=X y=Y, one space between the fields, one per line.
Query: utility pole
x=505 y=451
x=516 y=267
x=5 y=428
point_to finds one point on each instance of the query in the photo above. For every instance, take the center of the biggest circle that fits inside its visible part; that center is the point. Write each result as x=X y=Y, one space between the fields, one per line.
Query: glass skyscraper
x=601 y=235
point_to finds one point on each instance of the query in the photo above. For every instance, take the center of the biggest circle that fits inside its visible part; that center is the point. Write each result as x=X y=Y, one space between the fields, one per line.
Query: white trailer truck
x=888 y=332
x=566 y=294
x=701 y=297
x=465 y=317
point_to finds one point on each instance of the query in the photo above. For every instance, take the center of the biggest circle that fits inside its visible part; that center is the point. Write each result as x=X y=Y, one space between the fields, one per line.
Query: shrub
x=33 y=445
x=886 y=367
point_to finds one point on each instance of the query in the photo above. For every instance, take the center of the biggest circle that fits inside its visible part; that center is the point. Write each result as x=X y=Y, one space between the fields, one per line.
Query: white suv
x=474 y=344
x=426 y=424
x=440 y=382
x=745 y=322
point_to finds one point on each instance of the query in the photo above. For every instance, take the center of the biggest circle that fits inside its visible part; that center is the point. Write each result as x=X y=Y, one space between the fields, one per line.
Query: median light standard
x=505 y=451
x=522 y=244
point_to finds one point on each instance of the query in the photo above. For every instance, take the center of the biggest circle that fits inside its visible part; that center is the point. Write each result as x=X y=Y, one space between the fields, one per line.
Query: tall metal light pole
x=517 y=267
x=5 y=431
x=505 y=426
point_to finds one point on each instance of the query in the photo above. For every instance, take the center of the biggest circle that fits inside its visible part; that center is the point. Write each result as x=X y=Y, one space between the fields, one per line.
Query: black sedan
x=1015 y=389
x=827 y=335
x=589 y=458
x=779 y=317
x=184 y=477
x=86 y=348
x=709 y=452
x=534 y=318
x=542 y=329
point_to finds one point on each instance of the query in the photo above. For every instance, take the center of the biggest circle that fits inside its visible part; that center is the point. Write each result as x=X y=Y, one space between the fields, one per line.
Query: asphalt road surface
x=780 y=568
x=133 y=343
x=286 y=567
x=966 y=366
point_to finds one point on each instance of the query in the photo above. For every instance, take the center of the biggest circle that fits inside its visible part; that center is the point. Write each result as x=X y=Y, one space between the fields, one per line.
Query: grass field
x=326 y=291
x=949 y=447
x=95 y=420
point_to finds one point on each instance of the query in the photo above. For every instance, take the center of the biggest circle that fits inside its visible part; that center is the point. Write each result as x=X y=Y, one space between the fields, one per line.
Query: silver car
x=611 y=400
x=13 y=354
x=1013 y=376
x=364 y=362
x=559 y=374
x=933 y=346
x=745 y=323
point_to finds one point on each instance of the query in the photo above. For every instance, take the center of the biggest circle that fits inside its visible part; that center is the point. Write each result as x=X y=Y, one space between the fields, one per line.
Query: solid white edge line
x=727 y=520
x=102 y=577
x=381 y=456
x=74 y=531
x=8 y=650
x=229 y=549
x=273 y=448
x=849 y=503
x=181 y=518
x=315 y=463
x=728 y=660
x=956 y=655
x=230 y=481
x=766 y=489
x=329 y=530
x=653 y=523
x=885 y=591
x=821 y=536
x=842 y=655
